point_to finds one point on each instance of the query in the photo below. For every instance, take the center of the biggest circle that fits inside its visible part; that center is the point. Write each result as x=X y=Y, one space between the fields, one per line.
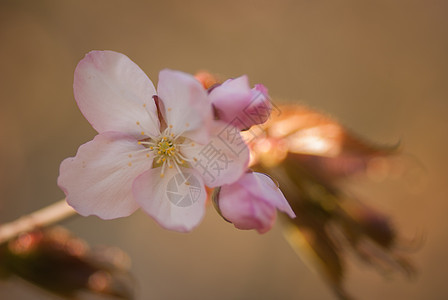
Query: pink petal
x=111 y=91
x=186 y=105
x=251 y=202
x=259 y=109
x=244 y=210
x=172 y=203
x=98 y=181
x=261 y=184
x=223 y=159
x=237 y=104
x=230 y=99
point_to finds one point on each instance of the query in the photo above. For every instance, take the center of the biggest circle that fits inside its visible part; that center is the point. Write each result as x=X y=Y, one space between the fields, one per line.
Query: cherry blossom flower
x=237 y=104
x=152 y=149
x=252 y=202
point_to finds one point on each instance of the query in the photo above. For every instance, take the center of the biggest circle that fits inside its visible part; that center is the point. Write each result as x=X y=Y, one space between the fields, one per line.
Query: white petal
x=98 y=181
x=186 y=105
x=111 y=92
x=174 y=204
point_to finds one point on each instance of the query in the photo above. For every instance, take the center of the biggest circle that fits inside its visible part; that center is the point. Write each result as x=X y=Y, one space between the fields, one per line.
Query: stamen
x=177 y=160
x=141 y=150
x=146 y=143
x=167 y=152
x=184 y=158
x=143 y=132
x=185 y=146
x=178 y=135
x=180 y=172
x=163 y=169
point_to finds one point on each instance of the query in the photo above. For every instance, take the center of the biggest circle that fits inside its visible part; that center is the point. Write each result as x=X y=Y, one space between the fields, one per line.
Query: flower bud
x=251 y=202
x=237 y=104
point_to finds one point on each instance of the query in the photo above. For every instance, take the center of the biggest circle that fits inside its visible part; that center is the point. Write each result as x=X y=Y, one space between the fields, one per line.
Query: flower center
x=166 y=150
x=166 y=147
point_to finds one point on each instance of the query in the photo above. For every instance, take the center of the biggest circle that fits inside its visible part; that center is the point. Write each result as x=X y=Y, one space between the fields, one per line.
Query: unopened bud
x=251 y=202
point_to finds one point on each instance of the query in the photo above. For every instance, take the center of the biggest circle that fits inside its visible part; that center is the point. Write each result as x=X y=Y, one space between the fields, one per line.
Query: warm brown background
x=378 y=66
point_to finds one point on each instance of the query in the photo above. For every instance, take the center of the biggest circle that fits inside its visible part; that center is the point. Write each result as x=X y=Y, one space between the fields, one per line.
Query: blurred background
x=379 y=67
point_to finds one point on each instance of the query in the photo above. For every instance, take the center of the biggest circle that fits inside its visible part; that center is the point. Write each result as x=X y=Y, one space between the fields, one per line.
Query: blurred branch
x=49 y=215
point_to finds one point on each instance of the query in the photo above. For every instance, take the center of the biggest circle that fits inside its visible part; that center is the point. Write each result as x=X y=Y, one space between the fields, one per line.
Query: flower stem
x=43 y=217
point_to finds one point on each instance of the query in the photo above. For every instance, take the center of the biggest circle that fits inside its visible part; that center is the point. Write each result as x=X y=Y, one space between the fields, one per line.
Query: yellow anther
x=182 y=161
x=129 y=164
x=163 y=159
x=169 y=108
x=162 y=175
x=147 y=154
x=193 y=144
x=144 y=104
x=143 y=133
x=170 y=166
x=187 y=124
x=138 y=123
x=151 y=148
x=187 y=183
x=171 y=126
x=195 y=159
x=172 y=135
x=139 y=142
x=159 y=152
x=130 y=155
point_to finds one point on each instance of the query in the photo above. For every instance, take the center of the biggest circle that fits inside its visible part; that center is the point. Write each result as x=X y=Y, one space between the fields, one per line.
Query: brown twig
x=49 y=215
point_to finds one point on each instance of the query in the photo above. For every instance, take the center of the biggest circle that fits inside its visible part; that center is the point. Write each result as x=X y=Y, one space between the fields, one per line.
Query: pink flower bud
x=237 y=104
x=252 y=201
